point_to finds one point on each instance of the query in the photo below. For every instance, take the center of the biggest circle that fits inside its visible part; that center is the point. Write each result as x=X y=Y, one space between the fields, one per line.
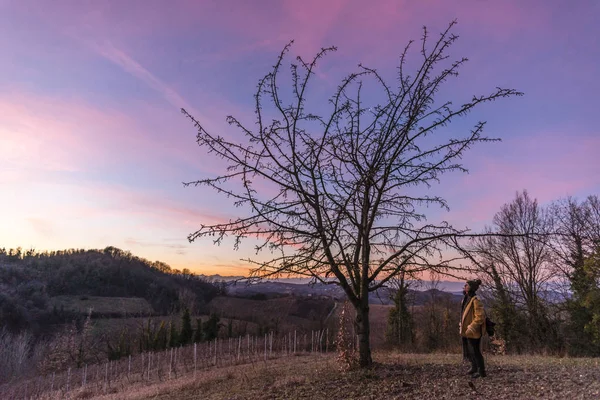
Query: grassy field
x=394 y=376
x=103 y=305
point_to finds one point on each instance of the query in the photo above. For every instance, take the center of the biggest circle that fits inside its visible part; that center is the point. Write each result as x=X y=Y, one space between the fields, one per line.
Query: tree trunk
x=363 y=329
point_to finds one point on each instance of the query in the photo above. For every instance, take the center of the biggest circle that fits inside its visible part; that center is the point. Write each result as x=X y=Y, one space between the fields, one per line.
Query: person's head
x=472 y=286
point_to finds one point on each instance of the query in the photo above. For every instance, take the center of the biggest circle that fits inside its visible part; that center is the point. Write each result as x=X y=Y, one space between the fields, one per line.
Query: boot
x=480 y=374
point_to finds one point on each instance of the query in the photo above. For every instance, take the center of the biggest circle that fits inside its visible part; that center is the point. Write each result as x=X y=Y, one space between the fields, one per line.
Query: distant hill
x=420 y=291
x=273 y=289
x=454 y=287
x=41 y=289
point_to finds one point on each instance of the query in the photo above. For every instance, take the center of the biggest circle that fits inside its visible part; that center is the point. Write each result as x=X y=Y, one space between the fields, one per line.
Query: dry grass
x=394 y=376
x=237 y=382
x=284 y=314
x=378 y=316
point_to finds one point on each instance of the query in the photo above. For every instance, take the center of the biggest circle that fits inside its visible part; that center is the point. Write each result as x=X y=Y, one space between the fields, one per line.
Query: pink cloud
x=46 y=133
x=548 y=166
x=309 y=22
x=125 y=201
x=500 y=20
x=43 y=133
x=364 y=32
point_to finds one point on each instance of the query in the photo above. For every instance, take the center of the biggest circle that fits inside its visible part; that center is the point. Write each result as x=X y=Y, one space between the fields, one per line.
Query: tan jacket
x=473 y=319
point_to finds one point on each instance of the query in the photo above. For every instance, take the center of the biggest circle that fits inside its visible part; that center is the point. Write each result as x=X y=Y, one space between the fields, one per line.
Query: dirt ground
x=394 y=376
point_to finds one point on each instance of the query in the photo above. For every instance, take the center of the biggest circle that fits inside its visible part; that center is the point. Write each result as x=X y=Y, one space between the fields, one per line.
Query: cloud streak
x=123 y=60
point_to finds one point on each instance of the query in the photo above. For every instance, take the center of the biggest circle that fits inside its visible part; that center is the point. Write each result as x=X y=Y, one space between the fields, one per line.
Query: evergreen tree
x=211 y=328
x=186 y=328
x=230 y=328
x=173 y=335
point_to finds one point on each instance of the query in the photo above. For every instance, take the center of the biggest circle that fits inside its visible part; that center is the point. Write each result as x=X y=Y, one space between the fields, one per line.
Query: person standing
x=471 y=328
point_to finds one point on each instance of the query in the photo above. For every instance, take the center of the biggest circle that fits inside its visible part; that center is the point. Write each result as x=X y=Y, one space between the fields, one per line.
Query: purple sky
x=93 y=148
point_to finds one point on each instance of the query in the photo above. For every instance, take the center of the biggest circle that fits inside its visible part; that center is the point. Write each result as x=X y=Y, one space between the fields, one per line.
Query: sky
x=94 y=149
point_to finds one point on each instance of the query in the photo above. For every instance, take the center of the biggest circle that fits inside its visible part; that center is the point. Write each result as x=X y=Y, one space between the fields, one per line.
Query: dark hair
x=474 y=285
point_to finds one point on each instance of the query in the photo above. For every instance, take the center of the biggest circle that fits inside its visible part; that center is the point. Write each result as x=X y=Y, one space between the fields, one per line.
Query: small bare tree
x=400 y=322
x=577 y=228
x=516 y=259
x=338 y=197
x=14 y=354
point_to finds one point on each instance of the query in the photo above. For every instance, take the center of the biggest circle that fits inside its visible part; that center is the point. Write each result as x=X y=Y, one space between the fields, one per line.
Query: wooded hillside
x=31 y=283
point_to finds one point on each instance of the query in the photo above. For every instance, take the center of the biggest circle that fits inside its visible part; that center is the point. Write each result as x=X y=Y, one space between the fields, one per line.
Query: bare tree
x=516 y=259
x=187 y=299
x=432 y=333
x=577 y=228
x=339 y=197
x=575 y=245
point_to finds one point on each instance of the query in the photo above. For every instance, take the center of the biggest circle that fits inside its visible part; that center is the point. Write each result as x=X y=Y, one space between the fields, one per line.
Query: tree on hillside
x=173 y=335
x=210 y=328
x=577 y=226
x=342 y=197
x=400 y=322
x=187 y=332
x=592 y=300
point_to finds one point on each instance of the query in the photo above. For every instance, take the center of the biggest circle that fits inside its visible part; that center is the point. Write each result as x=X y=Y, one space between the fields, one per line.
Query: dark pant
x=472 y=349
